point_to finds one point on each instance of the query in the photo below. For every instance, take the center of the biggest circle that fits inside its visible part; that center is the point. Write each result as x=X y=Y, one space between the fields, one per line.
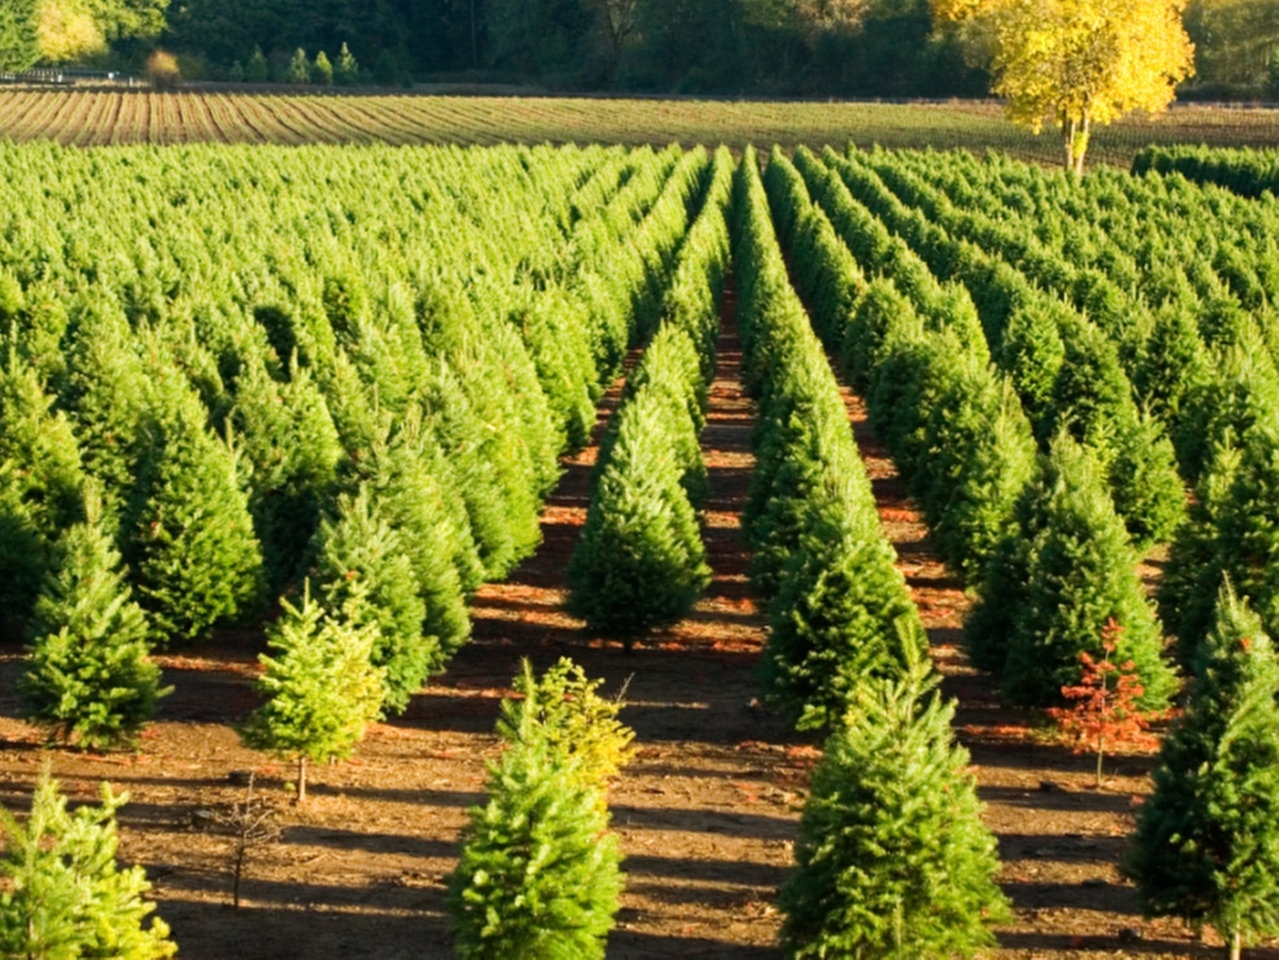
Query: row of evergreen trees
x=892 y=810
x=1067 y=372
x=839 y=611
x=1199 y=337
x=379 y=446
x=640 y=562
x=1037 y=533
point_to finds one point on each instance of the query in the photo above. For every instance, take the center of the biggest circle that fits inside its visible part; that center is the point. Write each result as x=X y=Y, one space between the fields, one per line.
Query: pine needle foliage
x=1054 y=583
x=640 y=563
x=321 y=686
x=360 y=559
x=89 y=678
x=539 y=877
x=893 y=859
x=65 y=896
x=580 y=725
x=1206 y=848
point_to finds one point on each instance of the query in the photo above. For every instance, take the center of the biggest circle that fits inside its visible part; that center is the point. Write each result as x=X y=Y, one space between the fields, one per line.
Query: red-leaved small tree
x=1105 y=707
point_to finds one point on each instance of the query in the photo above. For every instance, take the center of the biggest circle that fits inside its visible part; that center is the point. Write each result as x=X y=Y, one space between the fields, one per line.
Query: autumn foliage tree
x=1075 y=63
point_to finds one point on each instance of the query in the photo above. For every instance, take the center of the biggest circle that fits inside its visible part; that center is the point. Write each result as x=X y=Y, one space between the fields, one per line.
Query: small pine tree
x=893 y=859
x=88 y=677
x=640 y=562
x=539 y=873
x=257 y=70
x=359 y=552
x=322 y=70
x=1054 y=583
x=386 y=71
x=842 y=614
x=323 y=689
x=299 y=69
x=236 y=73
x=65 y=896
x=1206 y=847
x=193 y=549
x=346 y=72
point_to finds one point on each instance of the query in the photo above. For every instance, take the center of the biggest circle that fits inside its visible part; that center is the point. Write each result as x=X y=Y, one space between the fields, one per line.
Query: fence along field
x=87 y=118
x=365 y=363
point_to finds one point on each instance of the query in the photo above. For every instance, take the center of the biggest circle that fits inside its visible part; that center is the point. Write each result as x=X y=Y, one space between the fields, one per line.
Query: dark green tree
x=65 y=896
x=842 y=613
x=257 y=70
x=893 y=859
x=192 y=546
x=346 y=72
x=1056 y=581
x=322 y=689
x=1206 y=848
x=88 y=677
x=539 y=873
x=640 y=563
x=359 y=552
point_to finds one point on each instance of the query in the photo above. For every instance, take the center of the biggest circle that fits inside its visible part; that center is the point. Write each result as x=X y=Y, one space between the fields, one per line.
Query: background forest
x=875 y=48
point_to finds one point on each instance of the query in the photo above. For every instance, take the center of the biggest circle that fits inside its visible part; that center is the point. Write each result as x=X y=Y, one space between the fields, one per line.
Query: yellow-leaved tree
x=1075 y=63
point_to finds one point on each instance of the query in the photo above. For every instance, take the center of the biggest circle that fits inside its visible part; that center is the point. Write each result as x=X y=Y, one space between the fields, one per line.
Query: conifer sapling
x=64 y=895
x=322 y=688
x=89 y=677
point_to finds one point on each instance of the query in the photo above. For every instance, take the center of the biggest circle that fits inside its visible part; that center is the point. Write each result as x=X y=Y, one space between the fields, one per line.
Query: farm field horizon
x=99 y=118
x=775 y=443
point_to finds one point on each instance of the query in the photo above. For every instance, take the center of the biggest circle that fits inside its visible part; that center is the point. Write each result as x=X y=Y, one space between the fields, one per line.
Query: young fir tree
x=1056 y=581
x=1206 y=847
x=192 y=546
x=64 y=895
x=359 y=552
x=640 y=563
x=893 y=859
x=1248 y=525
x=290 y=451
x=322 y=687
x=539 y=875
x=842 y=613
x=88 y=677
x=346 y=72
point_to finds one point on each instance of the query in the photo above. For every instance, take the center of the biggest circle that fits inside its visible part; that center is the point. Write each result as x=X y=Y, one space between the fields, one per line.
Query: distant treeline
x=813 y=47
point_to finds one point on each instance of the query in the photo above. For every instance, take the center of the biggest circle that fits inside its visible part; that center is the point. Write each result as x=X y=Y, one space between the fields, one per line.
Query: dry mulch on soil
x=707 y=811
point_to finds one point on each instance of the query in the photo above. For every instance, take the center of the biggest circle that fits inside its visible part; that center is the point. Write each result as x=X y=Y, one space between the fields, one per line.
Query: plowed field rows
x=86 y=118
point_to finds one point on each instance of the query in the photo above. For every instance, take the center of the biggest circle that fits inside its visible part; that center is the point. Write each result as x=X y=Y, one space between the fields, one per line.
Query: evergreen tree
x=1055 y=583
x=640 y=562
x=346 y=72
x=290 y=452
x=24 y=550
x=842 y=613
x=257 y=70
x=192 y=547
x=88 y=677
x=322 y=70
x=893 y=859
x=359 y=553
x=322 y=687
x=539 y=873
x=1206 y=847
x=65 y=896
x=299 y=69
x=1248 y=526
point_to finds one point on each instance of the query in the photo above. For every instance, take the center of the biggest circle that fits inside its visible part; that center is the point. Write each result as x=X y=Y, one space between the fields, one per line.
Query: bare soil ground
x=707 y=812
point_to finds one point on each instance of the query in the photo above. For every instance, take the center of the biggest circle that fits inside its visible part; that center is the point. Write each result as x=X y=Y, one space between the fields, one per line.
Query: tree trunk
x=1081 y=146
x=302 y=778
x=1236 y=945
x=1068 y=139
